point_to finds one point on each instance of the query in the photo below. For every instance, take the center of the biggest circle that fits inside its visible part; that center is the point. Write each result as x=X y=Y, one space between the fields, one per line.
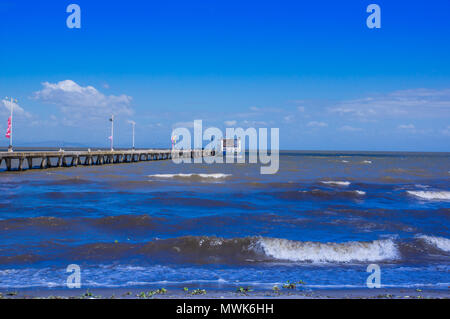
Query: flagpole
x=11 y=135
x=10 y=124
x=10 y=138
x=133 y=124
x=112 y=132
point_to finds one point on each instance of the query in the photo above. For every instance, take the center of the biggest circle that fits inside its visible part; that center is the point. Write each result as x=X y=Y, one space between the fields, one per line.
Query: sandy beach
x=152 y=293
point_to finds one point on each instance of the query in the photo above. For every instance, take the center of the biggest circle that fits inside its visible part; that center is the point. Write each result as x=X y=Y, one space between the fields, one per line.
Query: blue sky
x=312 y=69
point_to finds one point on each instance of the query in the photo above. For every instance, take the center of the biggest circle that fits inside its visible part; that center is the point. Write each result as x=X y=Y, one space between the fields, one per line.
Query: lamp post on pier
x=133 y=124
x=112 y=132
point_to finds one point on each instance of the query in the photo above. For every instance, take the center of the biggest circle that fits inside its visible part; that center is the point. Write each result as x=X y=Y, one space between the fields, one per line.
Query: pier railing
x=49 y=159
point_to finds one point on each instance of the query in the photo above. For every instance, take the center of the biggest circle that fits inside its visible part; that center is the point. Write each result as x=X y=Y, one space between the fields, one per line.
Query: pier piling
x=16 y=160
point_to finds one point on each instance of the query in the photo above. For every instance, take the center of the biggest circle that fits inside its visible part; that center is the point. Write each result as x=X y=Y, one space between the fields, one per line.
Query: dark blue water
x=322 y=219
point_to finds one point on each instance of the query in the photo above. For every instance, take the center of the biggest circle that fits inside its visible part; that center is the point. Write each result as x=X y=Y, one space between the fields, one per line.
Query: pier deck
x=49 y=159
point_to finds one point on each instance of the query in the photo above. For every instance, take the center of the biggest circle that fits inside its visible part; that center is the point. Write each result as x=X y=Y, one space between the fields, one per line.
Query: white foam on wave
x=180 y=175
x=339 y=183
x=361 y=193
x=366 y=162
x=284 y=249
x=431 y=195
x=441 y=243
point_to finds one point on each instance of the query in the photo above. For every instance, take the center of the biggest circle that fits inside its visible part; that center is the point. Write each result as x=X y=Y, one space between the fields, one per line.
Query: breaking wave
x=431 y=195
x=338 y=183
x=204 y=250
x=377 y=250
x=438 y=242
x=217 y=250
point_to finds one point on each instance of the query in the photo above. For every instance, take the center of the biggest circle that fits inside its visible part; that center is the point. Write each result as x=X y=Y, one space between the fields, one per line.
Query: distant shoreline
x=282 y=151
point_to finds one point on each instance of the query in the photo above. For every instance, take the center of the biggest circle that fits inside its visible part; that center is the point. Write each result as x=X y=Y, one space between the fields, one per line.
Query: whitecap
x=431 y=195
x=339 y=183
x=284 y=249
x=441 y=243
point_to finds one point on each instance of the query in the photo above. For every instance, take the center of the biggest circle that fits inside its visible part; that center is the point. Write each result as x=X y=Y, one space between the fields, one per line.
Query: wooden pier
x=51 y=159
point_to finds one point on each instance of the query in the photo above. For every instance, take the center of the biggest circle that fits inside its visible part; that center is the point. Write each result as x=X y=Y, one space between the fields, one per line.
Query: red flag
x=8 y=130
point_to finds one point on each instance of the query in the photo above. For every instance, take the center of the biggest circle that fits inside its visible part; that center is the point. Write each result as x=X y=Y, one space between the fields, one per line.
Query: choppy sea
x=323 y=218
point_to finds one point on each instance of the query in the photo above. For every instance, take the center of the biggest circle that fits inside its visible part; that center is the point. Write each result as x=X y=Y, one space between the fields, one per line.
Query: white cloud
x=411 y=129
x=17 y=109
x=230 y=123
x=348 y=128
x=155 y=125
x=257 y=112
x=84 y=103
x=264 y=109
x=247 y=123
x=51 y=122
x=301 y=108
x=415 y=102
x=406 y=127
x=317 y=124
x=183 y=125
x=288 y=118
